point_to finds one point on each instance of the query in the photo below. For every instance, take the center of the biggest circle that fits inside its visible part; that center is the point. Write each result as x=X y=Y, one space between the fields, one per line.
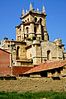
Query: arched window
x=17 y=53
x=40 y=20
x=48 y=55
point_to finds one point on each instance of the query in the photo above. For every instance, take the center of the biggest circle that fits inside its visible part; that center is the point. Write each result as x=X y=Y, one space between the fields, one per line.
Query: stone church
x=32 y=45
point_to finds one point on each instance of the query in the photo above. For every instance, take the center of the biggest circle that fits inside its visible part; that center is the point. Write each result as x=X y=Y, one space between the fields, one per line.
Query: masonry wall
x=4 y=63
x=56 y=53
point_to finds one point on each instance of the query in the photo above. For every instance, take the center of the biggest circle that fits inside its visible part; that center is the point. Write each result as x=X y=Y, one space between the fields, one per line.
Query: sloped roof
x=4 y=51
x=47 y=66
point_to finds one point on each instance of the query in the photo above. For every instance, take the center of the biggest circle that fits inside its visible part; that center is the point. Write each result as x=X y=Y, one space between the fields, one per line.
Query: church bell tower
x=33 y=25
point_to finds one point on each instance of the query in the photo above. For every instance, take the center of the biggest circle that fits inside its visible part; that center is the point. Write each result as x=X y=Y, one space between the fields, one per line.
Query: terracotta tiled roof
x=47 y=66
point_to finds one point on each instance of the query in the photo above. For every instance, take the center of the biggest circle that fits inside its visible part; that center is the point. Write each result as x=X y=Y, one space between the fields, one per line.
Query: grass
x=36 y=95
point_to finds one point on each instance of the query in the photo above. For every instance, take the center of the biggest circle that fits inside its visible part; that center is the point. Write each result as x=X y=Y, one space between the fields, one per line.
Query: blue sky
x=10 y=12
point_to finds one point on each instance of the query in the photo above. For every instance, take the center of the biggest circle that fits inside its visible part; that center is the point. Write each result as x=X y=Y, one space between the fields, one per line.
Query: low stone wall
x=24 y=84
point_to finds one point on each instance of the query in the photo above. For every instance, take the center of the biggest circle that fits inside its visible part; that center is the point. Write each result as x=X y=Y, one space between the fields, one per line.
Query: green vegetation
x=36 y=95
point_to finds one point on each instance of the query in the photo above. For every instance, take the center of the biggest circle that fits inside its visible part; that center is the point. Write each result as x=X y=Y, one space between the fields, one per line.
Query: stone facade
x=32 y=45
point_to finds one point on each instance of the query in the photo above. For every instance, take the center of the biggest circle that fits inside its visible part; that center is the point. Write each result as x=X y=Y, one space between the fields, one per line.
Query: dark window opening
x=35 y=19
x=43 y=74
x=35 y=30
x=48 y=55
x=34 y=38
x=40 y=20
x=20 y=29
x=17 y=56
x=53 y=71
x=8 y=45
x=58 y=70
x=42 y=31
x=27 y=30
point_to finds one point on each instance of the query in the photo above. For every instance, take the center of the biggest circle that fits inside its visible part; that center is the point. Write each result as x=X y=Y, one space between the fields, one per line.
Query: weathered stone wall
x=55 y=52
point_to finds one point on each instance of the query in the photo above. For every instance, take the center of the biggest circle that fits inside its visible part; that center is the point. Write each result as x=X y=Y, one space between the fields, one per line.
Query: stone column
x=22 y=32
x=31 y=31
x=39 y=31
x=46 y=37
x=36 y=52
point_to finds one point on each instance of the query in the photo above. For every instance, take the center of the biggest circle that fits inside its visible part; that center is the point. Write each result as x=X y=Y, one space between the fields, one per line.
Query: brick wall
x=18 y=70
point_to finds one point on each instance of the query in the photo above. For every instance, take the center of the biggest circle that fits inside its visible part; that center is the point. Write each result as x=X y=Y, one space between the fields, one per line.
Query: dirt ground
x=33 y=85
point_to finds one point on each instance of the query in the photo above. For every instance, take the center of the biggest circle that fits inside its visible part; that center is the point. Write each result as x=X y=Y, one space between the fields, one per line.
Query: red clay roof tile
x=47 y=66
